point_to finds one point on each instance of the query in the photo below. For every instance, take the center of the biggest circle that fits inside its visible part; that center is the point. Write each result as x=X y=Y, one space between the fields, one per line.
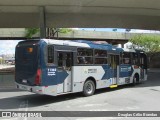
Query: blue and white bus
x=55 y=67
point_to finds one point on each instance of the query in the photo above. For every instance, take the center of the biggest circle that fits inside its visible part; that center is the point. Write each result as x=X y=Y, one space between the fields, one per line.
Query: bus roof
x=83 y=43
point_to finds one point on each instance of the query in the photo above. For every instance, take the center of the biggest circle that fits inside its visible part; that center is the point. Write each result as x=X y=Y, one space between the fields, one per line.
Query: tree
x=50 y=31
x=54 y=31
x=31 y=31
x=1 y=60
x=148 y=43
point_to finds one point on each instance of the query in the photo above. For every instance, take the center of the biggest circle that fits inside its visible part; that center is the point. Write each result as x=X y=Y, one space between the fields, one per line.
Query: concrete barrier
x=7 y=80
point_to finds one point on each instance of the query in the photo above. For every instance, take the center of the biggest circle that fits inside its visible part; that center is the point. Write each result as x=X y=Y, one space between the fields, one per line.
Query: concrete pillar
x=42 y=22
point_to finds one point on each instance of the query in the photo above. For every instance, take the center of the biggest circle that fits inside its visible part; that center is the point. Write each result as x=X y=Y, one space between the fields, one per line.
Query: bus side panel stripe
x=126 y=70
x=107 y=71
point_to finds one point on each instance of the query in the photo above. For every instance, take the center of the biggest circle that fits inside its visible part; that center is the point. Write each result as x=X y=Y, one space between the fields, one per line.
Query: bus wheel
x=88 y=88
x=135 y=79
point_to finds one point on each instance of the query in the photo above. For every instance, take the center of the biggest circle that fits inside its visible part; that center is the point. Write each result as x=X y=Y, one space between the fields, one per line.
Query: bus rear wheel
x=88 y=88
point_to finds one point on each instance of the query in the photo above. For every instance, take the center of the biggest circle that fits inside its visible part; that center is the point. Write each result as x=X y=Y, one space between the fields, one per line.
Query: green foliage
x=149 y=43
x=31 y=31
x=1 y=61
x=64 y=30
x=55 y=31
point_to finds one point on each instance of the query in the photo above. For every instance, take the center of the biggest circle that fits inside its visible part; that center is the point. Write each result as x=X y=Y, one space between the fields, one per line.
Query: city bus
x=56 y=67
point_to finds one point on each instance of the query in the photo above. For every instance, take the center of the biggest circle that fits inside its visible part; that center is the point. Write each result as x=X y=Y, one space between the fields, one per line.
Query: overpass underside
x=135 y=14
x=77 y=20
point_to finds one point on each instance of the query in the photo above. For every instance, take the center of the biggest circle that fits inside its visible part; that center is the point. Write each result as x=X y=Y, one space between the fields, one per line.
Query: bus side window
x=121 y=58
x=135 y=60
x=84 y=56
x=50 y=54
x=143 y=61
x=100 y=56
x=60 y=60
x=68 y=60
x=126 y=58
x=81 y=60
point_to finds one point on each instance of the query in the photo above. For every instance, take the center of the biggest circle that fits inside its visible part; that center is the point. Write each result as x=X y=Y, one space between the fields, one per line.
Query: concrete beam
x=103 y=21
x=24 y=20
x=135 y=14
x=75 y=34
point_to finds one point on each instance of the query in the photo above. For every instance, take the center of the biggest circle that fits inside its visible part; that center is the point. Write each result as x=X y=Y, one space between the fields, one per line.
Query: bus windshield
x=26 y=53
x=26 y=62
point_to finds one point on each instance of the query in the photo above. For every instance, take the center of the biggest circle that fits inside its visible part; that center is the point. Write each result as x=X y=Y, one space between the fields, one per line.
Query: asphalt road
x=142 y=97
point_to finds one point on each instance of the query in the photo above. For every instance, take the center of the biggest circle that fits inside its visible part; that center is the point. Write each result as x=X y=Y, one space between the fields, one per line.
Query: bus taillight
x=38 y=77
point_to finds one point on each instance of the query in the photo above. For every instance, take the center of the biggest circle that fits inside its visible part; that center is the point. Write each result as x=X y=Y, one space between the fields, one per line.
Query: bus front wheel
x=88 y=88
x=135 y=79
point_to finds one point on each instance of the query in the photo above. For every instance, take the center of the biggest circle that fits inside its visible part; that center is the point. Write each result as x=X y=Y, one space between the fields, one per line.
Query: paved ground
x=143 y=97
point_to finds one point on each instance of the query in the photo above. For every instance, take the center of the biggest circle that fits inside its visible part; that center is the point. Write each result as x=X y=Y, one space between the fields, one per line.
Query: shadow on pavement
x=153 y=80
x=35 y=100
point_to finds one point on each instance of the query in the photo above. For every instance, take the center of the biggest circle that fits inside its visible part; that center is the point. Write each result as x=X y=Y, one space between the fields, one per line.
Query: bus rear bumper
x=38 y=89
x=34 y=89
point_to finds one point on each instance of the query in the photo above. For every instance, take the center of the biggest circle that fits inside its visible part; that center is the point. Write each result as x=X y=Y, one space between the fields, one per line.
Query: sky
x=102 y=29
x=8 y=46
x=119 y=30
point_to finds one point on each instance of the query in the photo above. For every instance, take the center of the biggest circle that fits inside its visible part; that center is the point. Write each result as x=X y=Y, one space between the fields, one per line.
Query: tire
x=135 y=79
x=88 y=88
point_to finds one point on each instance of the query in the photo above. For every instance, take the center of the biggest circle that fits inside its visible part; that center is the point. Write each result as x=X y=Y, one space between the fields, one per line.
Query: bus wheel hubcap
x=89 y=88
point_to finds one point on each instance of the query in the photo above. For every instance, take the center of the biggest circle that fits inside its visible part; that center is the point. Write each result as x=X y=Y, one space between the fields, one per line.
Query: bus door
x=143 y=65
x=126 y=69
x=64 y=66
x=114 y=67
